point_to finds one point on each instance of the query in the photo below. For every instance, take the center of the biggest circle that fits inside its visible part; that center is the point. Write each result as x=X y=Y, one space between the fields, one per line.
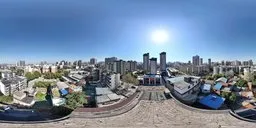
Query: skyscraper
x=163 y=61
x=21 y=63
x=93 y=61
x=223 y=62
x=250 y=63
x=119 y=66
x=109 y=63
x=201 y=61
x=153 y=65
x=79 y=63
x=195 y=60
x=131 y=65
x=209 y=62
x=146 y=62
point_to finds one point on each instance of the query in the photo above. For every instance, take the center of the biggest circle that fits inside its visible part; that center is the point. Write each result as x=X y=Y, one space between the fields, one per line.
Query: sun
x=160 y=36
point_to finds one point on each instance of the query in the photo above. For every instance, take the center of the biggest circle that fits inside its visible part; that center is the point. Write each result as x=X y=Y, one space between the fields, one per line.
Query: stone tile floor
x=149 y=114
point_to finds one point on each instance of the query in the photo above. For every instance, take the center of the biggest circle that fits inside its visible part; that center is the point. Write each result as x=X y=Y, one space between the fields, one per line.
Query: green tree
x=6 y=99
x=241 y=83
x=232 y=97
x=29 y=76
x=76 y=99
x=37 y=74
x=40 y=96
x=229 y=96
x=248 y=76
x=254 y=83
x=49 y=75
x=209 y=78
x=0 y=75
x=42 y=84
x=225 y=95
x=57 y=75
x=217 y=76
x=20 y=72
x=128 y=78
x=65 y=73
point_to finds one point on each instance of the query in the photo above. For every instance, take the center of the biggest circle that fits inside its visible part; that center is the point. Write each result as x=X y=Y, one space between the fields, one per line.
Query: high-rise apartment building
x=93 y=61
x=109 y=63
x=195 y=60
x=209 y=62
x=163 y=61
x=131 y=66
x=153 y=65
x=201 y=61
x=146 y=62
x=119 y=67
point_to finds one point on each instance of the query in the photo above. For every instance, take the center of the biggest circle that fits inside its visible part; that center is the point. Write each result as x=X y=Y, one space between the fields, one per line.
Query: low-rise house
x=112 y=81
x=185 y=88
x=76 y=77
x=22 y=98
x=206 y=88
x=105 y=96
x=63 y=88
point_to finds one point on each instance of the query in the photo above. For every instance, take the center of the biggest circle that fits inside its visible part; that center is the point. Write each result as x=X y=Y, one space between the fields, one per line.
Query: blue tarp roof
x=217 y=86
x=63 y=92
x=212 y=101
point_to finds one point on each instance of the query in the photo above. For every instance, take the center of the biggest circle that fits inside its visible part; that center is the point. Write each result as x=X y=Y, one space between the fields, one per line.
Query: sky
x=53 y=30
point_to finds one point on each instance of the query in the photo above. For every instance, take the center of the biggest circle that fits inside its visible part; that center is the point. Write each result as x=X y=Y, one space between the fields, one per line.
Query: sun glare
x=160 y=36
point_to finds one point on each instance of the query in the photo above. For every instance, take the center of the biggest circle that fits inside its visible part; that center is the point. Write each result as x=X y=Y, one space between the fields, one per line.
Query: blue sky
x=66 y=29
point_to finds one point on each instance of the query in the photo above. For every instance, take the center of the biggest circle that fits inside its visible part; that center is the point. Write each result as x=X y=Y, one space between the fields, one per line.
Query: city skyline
x=64 y=30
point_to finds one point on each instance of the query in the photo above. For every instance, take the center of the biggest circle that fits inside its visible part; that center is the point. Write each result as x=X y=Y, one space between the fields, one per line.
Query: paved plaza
x=149 y=114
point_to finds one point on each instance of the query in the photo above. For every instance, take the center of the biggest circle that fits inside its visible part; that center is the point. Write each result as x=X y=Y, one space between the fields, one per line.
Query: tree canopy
x=76 y=99
x=31 y=76
x=241 y=83
x=217 y=76
x=20 y=72
x=129 y=78
x=50 y=75
x=6 y=99
x=229 y=96
x=42 y=84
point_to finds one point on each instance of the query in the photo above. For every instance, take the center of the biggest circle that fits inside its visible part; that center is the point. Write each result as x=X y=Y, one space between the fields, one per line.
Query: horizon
x=55 y=30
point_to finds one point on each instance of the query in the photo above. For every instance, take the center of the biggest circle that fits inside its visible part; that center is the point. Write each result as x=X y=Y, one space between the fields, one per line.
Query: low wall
x=107 y=108
x=35 y=122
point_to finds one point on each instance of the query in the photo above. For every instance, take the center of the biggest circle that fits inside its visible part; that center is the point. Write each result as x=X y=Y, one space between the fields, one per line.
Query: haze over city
x=59 y=29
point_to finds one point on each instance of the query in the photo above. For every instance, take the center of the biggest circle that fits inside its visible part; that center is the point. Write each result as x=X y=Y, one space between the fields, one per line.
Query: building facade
x=195 y=60
x=146 y=62
x=93 y=61
x=153 y=65
x=112 y=81
x=131 y=66
x=163 y=61
x=120 y=67
x=201 y=61
x=109 y=63
x=11 y=84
